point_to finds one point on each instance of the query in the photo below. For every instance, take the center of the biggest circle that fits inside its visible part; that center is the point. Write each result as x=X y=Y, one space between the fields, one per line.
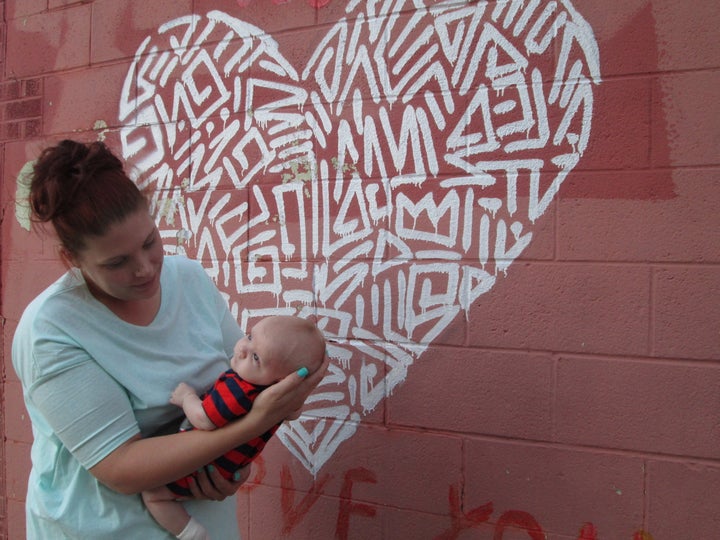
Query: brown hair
x=82 y=189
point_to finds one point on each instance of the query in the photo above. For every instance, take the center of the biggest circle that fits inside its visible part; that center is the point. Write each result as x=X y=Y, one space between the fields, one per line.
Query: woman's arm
x=141 y=464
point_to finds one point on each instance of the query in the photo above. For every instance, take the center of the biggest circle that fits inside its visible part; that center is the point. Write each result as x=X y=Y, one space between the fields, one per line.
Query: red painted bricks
x=274 y=16
x=20 y=109
x=686 y=34
x=17 y=427
x=21 y=284
x=560 y=488
x=625 y=34
x=119 y=27
x=673 y=227
x=16 y=519
x=579 y=393
x=407 y=524
x=640 y=37
x=502 y=393
x=648 y=406
x=17 y=9
x=689 y=104
x=50 y=41
x=409 y=468
x=687 y=312
x=18 y=454
x=681 y=499
x=592 y=308
x=621 y=129
x=320 y=521
x=83 y=100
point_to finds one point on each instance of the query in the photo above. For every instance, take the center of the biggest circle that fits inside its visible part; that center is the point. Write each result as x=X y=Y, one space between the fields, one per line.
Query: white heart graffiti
x=382 y=186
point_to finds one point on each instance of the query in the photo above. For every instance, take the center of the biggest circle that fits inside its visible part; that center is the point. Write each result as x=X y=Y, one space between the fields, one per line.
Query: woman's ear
x=68 y=257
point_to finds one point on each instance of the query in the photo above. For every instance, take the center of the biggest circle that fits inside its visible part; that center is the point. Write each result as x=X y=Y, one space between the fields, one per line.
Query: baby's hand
x=180 y=393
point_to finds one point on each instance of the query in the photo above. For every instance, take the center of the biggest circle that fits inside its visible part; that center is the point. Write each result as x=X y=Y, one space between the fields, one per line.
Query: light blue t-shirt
x=91 y=381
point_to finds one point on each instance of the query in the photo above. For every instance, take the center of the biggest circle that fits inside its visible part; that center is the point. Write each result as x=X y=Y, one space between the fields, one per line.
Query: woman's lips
x=146 y=284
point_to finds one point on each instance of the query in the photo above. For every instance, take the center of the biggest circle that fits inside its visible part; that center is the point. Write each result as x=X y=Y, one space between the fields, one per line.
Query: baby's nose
x=242 y=347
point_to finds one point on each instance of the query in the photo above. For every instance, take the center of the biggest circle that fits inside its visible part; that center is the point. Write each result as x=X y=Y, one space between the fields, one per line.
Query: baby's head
x=277 y=346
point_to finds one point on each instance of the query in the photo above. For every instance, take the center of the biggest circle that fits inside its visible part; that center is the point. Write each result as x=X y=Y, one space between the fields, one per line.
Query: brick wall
x=494 y=385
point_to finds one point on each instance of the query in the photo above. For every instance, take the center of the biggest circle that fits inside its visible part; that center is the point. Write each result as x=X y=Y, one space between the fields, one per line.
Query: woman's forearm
x=141 y=464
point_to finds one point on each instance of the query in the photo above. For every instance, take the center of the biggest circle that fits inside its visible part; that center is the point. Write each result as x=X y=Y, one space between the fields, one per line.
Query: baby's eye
x=256 y=358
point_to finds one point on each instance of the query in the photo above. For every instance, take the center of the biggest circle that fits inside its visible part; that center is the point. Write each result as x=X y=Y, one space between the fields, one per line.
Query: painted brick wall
x=520 y=350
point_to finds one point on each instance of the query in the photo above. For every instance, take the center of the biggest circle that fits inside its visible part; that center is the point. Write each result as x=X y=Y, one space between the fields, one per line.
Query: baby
x=277 y=346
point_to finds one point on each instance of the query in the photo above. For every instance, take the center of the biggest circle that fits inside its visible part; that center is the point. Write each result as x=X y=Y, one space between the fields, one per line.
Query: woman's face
x=124 y=263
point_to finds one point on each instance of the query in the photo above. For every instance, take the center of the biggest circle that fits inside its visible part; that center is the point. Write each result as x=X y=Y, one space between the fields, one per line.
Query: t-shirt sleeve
x=87 y=410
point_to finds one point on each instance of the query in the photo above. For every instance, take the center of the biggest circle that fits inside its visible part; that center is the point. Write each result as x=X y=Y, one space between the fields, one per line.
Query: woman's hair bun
x=61 y=171
x=81 y=188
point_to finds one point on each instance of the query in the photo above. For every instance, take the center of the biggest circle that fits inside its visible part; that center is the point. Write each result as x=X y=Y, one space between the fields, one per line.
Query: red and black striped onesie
x=230 y=398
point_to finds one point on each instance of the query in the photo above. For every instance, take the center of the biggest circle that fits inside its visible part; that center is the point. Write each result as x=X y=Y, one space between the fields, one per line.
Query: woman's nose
x=143 y=268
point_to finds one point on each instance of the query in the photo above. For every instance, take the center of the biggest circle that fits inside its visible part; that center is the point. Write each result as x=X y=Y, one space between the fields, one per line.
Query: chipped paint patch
x=22 y=192
x=102 y=128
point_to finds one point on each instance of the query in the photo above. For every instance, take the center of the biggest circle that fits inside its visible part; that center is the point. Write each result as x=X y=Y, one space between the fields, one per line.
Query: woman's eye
x=115 y=264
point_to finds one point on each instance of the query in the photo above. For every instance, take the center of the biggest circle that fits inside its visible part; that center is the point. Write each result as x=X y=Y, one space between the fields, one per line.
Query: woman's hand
x=210 y=484
x=285 y=398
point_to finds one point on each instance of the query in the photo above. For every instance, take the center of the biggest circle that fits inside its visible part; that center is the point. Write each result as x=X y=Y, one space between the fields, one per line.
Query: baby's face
x=255 y=357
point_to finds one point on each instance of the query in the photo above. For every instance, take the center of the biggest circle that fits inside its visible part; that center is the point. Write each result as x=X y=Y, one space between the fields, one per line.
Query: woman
x=100 y=351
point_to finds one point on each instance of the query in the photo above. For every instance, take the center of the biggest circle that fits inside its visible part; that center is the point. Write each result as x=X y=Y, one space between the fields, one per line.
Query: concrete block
x=686 y=314
x=381 y=466
x=52 y=41
x=558 y=489
x=621 y=126
x=681 y=502
x=118 y=28
x=621 y=217
x=689 y=103
x=85 y=100
x=17 y=421
x=23 y=8
x=17 y=459
x=23 y=282
x=686 y=34
x=655 y=407
x=591 y=308
x=508 y=394
x=16 y=519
